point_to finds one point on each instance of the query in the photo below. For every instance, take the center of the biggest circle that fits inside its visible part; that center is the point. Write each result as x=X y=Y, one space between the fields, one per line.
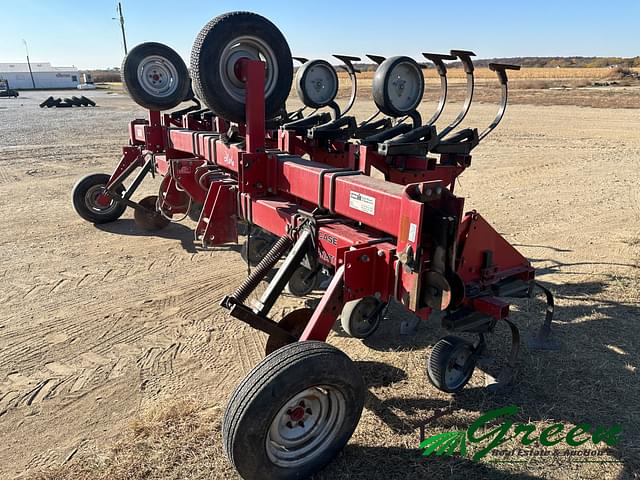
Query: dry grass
x=175 y=440
x=583 y=383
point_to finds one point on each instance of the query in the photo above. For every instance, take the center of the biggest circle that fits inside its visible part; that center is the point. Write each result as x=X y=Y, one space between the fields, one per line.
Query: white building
x=44 y=76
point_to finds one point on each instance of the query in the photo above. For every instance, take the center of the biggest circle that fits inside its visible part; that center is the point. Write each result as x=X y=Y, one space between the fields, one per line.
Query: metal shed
x=44 y=76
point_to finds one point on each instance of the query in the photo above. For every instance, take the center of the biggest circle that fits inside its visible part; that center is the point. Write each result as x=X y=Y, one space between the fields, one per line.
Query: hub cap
x=404 y=86
x=158 y=76
x=305 y=426
x=320 y=84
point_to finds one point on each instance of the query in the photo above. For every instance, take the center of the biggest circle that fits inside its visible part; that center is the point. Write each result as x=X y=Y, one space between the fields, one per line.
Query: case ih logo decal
x=485 y=438
x=325 y=237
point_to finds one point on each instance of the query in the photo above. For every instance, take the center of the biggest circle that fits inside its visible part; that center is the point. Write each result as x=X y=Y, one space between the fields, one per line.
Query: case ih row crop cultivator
x=300 y=184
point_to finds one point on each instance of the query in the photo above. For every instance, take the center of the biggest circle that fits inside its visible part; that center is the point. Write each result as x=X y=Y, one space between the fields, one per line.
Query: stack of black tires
x=68 y=102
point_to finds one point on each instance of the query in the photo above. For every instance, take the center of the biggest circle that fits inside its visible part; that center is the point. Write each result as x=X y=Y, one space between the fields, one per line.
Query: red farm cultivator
x=300 y=185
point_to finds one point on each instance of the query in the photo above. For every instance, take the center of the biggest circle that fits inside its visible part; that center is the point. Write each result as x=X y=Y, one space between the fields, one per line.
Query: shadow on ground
x=592 y=379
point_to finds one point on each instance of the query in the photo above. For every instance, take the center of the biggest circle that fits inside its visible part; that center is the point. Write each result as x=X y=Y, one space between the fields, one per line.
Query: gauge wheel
x=451 y=364
x=215 y=66
x=254 y=250
x=293 y=413
x=149 y=218
x=92 y=204
x=316 y=83
x=155 y=76
x=303 y=282
x=360 y=318
x=195 y=210
x=398 y=86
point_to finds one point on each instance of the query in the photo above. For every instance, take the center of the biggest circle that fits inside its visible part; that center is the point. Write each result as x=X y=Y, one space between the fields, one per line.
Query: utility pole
x=33 y=82
x=124 y=37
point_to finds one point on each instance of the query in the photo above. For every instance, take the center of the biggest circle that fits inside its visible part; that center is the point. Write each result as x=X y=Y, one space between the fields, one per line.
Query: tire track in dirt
x=189 y=306
x=5 y=177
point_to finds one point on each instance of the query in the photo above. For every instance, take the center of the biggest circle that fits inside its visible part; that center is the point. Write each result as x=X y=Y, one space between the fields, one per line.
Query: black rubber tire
x=78 y=200
x=444 y=351
x=297 y=287
x=77 y=101
x=88 y=102
x=64 y=104
x=268 y=387
x=47 y=103
x=380 y=91
x=358 y=308
x=206 y=55
x=301 y=75
x=129 y=74
x=55 y=103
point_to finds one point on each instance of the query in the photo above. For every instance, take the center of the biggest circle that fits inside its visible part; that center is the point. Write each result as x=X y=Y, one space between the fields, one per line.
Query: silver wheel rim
x=305 y=426
x=360 y=322
x=252 y=48
x=91 y=200
x=319 y=83
x=455 y=374
x=404 y=86
x=158 y=76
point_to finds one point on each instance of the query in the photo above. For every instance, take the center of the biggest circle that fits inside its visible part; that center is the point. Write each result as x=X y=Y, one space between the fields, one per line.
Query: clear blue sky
x=82 y=33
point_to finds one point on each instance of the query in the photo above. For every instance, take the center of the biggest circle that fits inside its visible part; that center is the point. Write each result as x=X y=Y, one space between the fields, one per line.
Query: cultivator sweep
x=301 y=186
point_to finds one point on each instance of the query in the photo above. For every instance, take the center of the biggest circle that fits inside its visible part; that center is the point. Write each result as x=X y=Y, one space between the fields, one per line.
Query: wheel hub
x=97 y=200
x=305 y=426
x=299 y=414
x=246 y=48
x=158 y=76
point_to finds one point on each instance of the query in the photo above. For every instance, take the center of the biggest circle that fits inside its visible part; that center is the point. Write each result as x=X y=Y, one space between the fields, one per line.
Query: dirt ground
x=101 y=324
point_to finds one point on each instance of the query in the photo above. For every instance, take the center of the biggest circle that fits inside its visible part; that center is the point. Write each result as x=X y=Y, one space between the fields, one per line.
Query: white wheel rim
x=91 y=200
x=404 y=87
x=305 y=426
x=158 y=76
x=455 y=374
x=361 y=324
x=319 y=83
x=251 y=48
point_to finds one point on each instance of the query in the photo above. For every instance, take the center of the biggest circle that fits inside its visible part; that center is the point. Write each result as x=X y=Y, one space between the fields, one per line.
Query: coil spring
x=266 y=264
